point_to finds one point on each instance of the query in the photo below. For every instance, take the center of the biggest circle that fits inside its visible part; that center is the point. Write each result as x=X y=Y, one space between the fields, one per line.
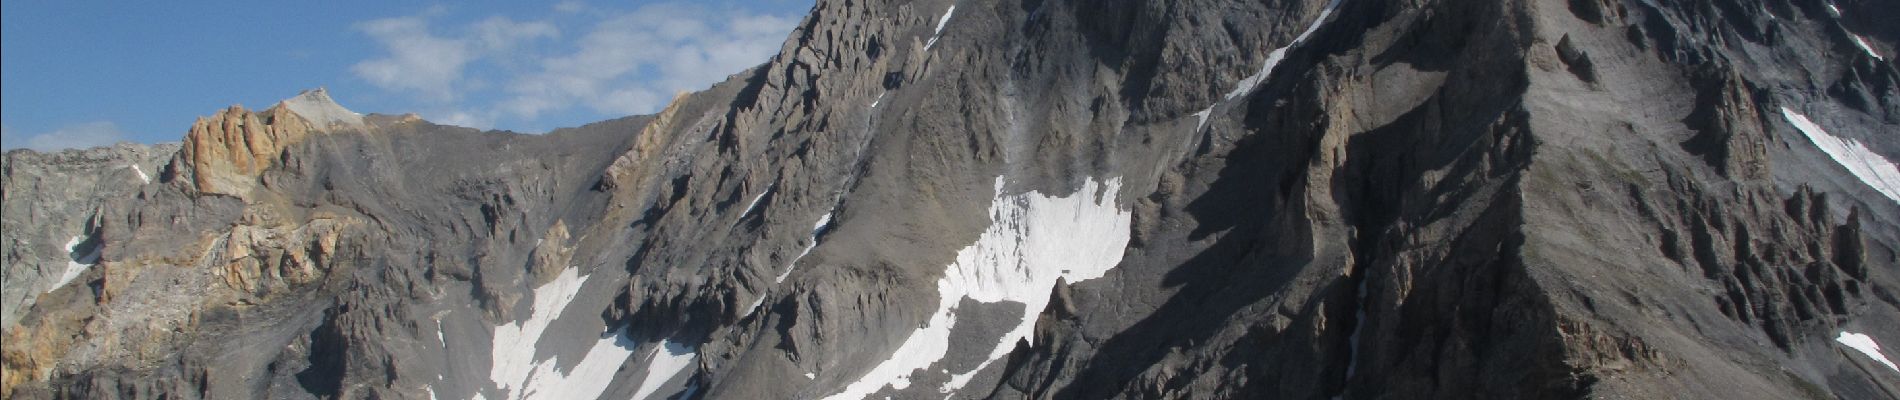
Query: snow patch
x=516 y=370
x=142 y=176
x=1869 y=167
x=940 y=24
x=589 y=378
x=1033 y=240
x=818 y=227
x=75 y=266
x=1865 y=344
x=665 y=362
x=809 y=375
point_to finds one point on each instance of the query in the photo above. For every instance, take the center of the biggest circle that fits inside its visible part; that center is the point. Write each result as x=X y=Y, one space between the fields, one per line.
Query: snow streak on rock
x=667 y=361
x=1863 y=163
x=142 y=176
x=1273 y=58
x=1862 y=42
x=515 y=369
x=754 y=307
x=754 y=204
x=1032 y=241
x=940 y=24
x=1858 y=40
x=824 y=222
x=817 y=228
x=1865 y=344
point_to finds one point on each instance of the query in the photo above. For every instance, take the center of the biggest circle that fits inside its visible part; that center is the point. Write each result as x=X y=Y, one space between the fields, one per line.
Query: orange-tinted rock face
x=227 y=150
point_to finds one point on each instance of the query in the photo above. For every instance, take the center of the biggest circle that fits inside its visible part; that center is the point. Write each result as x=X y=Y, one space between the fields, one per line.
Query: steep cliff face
x=51 y=200
x=1057 y=199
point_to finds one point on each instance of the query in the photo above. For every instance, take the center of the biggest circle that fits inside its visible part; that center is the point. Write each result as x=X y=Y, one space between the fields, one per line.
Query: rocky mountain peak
x=323 y=113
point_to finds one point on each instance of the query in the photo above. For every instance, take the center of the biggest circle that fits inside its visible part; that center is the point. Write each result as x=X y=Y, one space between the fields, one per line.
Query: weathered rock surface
x=1057 y=199
x=50 y=202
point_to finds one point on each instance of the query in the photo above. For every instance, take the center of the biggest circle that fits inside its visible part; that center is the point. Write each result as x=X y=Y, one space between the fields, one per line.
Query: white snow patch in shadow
x=589 y=378
x=1865 y=344
x=1032 y=241
x=516 y=370
x=1869 y=167
x=817 y=227
x=76 y=266
x=665 y=362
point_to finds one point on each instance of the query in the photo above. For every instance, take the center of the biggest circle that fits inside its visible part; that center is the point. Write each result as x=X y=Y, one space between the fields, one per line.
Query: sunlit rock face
x=1036 y=199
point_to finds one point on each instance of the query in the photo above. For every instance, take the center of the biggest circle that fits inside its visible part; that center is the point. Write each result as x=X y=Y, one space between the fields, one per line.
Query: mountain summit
x=1034 y=199
x=322 y=112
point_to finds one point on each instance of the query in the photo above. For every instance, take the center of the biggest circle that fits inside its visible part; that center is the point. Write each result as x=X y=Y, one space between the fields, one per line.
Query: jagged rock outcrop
x=224 y=153
x=1059 y=199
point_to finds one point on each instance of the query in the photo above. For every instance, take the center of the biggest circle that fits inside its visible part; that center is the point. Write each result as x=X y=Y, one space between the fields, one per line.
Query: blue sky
x=85 y=73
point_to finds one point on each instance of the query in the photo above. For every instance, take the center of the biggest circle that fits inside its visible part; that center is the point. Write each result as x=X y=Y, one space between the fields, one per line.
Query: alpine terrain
x=1048 y=199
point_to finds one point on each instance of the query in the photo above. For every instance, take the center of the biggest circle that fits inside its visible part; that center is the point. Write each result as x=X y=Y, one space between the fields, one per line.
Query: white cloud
x=632 y=63
x=621 y=62
x=501 y=34
x=418 y=61
x=431 y=66
x=75 y=136
x=478 y=120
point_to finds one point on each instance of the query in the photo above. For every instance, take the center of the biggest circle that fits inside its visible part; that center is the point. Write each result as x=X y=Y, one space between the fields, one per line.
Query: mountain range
x=1049 y=199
